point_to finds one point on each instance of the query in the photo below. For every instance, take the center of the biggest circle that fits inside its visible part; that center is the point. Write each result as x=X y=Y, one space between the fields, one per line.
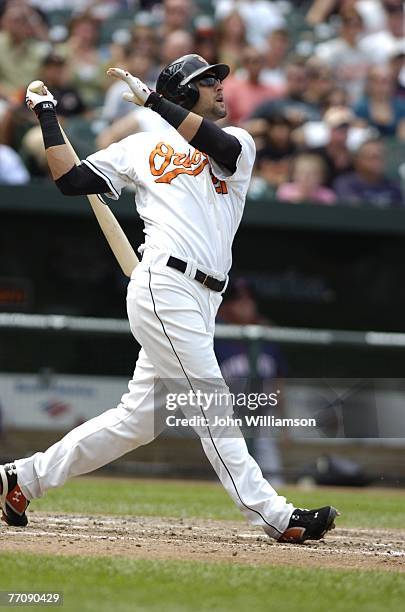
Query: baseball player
x=191 y=179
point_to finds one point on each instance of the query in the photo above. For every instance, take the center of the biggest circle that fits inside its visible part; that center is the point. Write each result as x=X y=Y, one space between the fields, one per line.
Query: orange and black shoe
x=309 y=524
x=12 y=501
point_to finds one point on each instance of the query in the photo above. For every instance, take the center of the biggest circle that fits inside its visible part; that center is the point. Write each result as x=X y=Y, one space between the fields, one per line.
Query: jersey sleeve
x=245 y=161
x=114 y=165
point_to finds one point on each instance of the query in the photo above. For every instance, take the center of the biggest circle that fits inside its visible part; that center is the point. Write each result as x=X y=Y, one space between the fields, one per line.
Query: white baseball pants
x=173 y=318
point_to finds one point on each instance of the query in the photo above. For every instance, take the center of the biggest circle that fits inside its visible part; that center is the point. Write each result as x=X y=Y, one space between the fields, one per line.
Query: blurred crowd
x=320 y=84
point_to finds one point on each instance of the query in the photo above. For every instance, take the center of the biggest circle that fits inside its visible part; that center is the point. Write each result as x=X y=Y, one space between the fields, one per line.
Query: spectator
x=335 y=152
x=320 y=82
x=317 y=134
x=379 y=46
x=18 y=128
x=367 y=185
x=380 y=107
x=205 y=43
x=275 y=148
x=176 y=44
x=337 y=96
x=344 y=55
x=240 y=308
x=273 y=73
x=12 y=169
x=21 y=51
x=231 y=38
x=87 y=60
x=307 y=184
x=177 y=15
x=144 y=37
x=38 y=23
x=260 y=16
x=243 y=90
x=54 y=72
x=293 y=104
x=371 y=12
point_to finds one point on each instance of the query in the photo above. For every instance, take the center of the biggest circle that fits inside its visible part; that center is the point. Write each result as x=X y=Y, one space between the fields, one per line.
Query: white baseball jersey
x=191 y=207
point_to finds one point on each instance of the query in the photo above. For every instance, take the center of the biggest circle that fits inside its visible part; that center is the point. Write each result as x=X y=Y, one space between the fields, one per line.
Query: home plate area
x=196 y=539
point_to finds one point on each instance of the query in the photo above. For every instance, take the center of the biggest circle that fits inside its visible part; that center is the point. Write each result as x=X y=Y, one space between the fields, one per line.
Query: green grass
x=90 y=495
x=104 y=584
x=101 y=583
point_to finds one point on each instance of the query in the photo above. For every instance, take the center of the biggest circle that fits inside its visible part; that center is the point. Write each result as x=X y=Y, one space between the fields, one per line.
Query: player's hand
x=39 y=98
x=139 y=92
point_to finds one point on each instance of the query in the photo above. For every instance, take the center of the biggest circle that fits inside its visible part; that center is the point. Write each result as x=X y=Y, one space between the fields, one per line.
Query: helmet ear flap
x=190 y=96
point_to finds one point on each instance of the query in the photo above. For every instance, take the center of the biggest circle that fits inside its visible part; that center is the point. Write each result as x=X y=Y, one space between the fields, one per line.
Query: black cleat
x=309 y=524
x=12 y=501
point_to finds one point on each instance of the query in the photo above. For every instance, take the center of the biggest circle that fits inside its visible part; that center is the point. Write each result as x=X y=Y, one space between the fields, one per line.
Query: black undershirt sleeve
x=210 y=139
x=80 y=180
x=224 y=148
x=171 y=112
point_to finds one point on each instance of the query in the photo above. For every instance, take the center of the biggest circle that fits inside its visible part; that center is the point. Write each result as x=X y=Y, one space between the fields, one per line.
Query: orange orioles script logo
x=166 y=164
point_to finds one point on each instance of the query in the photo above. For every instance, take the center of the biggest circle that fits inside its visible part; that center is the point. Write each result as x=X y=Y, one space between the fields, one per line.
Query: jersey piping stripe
x=209 y=431
x=102 y=175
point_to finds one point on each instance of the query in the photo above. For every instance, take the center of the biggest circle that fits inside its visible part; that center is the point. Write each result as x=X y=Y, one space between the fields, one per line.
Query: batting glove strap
x=41 y=107
x=50 y=127
x=153 y=100
x=172 y=113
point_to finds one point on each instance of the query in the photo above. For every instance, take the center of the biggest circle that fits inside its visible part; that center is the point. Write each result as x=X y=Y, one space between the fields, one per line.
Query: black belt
x=201 y=277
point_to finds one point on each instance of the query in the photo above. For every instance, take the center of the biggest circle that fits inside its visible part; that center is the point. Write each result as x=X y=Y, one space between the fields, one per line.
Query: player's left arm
x=201 y=133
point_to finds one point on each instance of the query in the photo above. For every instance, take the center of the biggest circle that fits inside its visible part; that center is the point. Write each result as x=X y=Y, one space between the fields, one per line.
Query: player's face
x=211 y=103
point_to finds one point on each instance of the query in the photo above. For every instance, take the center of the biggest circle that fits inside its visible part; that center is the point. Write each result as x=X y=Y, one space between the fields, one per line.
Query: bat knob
x=38 y=87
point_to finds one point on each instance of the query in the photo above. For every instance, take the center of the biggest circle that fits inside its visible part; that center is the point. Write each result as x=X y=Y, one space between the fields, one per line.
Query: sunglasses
x=209 y=80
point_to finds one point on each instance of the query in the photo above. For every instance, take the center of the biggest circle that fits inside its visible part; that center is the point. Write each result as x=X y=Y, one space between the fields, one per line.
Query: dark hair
x=277 y=117
x=220 y=29
x=372 y=140
x=53 y=59
x=82 y=17
x=348 y=14
x=392 y=7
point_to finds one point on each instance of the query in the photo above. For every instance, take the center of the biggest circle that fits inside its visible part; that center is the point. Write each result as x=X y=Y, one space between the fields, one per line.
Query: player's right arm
x=69 y=178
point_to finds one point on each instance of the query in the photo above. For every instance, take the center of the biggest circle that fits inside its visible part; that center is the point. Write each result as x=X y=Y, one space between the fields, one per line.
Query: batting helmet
x=175 y=82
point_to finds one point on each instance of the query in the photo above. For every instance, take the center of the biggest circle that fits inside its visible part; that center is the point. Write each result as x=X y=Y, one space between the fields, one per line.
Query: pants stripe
x=209 y=431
